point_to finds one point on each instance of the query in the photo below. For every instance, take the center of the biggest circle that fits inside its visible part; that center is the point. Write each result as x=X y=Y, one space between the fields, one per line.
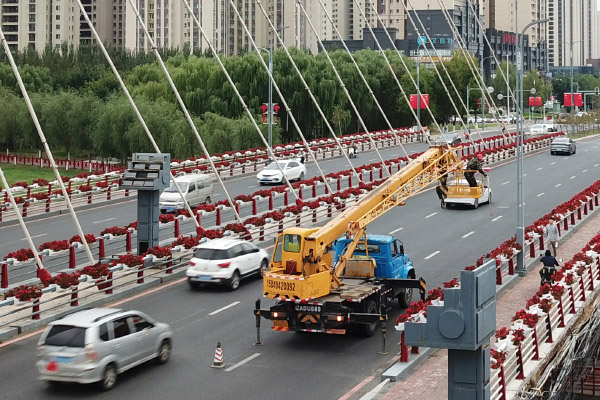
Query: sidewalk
x=429 y=378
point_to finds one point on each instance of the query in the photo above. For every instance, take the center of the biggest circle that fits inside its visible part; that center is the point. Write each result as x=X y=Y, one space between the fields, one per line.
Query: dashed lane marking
x=506 y=183
x=558 y=185
x=395 y=230
x=435 y=253
x=573 y=177
x=466 y=235
x=103 y=220
x=430 y=215
x=541 y=194
x=36 y=236
x=235 y=303
x=244 y=361
x=595 y=165
x=552 y=163
x=537 y=169
x=584 y=171
x=497 y=218
x=524 y=174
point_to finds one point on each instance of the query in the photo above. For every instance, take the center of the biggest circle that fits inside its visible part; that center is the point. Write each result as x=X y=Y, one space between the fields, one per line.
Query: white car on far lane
x=226 y=261
x=293 y=170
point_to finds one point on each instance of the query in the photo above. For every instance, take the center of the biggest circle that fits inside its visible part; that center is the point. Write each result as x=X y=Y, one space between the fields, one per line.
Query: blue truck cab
x=388 y=253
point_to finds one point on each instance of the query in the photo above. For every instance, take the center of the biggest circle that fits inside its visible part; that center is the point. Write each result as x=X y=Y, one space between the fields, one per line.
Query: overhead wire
x=134 y=106
x=307 y=88
x=47 y=150
x=343 y=86
x=184 y=110
x=282 y=98
x=239 y=96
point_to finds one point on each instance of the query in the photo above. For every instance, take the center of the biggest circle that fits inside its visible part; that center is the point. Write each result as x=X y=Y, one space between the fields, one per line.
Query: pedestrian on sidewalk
x=551 y=234
x=549 y=267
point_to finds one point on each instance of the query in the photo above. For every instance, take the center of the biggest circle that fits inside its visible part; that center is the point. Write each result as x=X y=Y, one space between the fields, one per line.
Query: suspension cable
x=239 y=96
x=185 y=111
x=276 y=86
x=133 y=105
x=36 y=256
x=343 y=86
x=394 y=74
x=362 y=77
x=40 y=132
x=307 y=88
x=479 y=79
x=443 y=67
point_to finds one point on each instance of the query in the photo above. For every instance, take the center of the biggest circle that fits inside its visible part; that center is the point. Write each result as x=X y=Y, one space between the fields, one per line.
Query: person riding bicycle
x=549 y=267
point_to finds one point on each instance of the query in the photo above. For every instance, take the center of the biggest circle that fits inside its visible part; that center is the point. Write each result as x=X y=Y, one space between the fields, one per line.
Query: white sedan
x=538 y=129
x=486 y=194
x=293 y=170
x=225 y=262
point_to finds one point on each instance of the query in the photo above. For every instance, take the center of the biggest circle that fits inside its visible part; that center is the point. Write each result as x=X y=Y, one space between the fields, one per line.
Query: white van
x=197 y=189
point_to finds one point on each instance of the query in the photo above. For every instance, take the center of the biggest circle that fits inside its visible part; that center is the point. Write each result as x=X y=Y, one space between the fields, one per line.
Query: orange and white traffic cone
x=218 y=360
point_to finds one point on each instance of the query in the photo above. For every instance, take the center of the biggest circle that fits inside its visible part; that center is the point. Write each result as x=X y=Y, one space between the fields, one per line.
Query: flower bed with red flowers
x=186 y=241
x=114 y=230
x=166 y=218
x=96 y=271
x=25 y=293
x=20 y=255
x=66 y=280
x=159 y=252
x=89 y=238
x=129 y=260
x=55 y=245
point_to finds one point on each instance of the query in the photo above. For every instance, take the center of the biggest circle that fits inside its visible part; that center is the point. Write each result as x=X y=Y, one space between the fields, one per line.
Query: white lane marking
x=506 y=183
x=375 y=391
x=524 y=174
x=558 y=184
x=435 y=253
x=541 y=194
x=36 y=236
x=573 y=177
x=430 y=215
x=244 y=361
x=466 y=235
x=396 y=155
x=235 y=303
x=497 y=218
x=103 y=220
x=395 y=230
x=539 y=168
x=595 y=165
x=372 y=160
x=502 y=207
x=584 y=171
x=552 y=163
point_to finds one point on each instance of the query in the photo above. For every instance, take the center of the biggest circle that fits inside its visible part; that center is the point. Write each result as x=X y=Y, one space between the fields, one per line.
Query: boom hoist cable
x=135 y=108
x=47 y=150
x=307 y=88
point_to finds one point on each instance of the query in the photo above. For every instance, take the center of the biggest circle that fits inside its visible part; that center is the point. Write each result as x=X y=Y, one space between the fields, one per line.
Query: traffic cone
x=218 y=360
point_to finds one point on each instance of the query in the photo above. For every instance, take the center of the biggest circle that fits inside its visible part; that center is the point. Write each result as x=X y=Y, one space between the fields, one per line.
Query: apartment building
x=573 y=31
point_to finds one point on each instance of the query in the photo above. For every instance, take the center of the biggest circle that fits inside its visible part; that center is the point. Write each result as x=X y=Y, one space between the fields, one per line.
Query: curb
x=399 y=370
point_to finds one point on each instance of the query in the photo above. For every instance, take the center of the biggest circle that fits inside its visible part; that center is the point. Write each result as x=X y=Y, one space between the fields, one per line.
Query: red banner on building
x=424 y=101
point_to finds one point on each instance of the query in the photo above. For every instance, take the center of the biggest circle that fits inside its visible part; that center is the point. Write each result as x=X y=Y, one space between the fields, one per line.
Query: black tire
x=490 y=198
x=234 y=281
x=264 y=267
x=443 y=204
x=207 y=200
x=261 y=183
x=405 y=297
x=109 y=377
x=476 y=203
x=164 y=352
x=575 y=151
x=368 y=330
x=301 y=178
x=193 y=284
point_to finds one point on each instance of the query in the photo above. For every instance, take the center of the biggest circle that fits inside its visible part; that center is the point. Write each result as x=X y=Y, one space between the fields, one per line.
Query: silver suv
x=96 y=345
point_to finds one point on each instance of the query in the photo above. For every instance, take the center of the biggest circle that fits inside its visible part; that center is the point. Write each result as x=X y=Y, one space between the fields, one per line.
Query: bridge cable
x=47 y=150
x=185 y=111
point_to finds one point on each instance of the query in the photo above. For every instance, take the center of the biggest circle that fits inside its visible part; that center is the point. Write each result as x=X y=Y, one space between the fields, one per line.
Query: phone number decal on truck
x=281 y=285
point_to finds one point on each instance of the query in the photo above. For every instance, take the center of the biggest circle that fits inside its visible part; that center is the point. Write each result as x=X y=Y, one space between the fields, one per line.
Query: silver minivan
x=197 y=189
x=96 y=345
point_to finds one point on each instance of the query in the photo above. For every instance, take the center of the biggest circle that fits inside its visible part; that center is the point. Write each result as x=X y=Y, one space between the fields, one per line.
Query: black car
x=451 y=139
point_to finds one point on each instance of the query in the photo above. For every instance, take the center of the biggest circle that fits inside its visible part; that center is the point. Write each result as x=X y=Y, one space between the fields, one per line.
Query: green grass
x=28 y=173
x=581 y=134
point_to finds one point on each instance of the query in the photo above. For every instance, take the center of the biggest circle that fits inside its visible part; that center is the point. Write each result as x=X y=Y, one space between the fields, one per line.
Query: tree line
x=83 y=110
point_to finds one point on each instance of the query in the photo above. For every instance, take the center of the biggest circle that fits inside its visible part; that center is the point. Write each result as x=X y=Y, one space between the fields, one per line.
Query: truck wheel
x=405 y=297
x=368 y=330
x=476 y=203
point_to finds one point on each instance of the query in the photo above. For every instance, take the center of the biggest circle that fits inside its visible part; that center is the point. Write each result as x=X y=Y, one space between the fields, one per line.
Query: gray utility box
x=463 y=325
x=148 y=173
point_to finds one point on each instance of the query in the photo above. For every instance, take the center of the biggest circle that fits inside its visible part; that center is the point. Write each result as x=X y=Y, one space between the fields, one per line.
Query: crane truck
x=318 y=292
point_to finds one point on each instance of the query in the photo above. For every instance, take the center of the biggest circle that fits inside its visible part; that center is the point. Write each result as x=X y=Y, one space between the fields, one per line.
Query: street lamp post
x=572 y=84
x=420 y=42
x=520 y=198
x=482 y=94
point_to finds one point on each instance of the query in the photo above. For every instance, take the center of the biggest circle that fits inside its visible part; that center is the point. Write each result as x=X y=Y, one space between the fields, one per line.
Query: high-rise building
x=572 y=31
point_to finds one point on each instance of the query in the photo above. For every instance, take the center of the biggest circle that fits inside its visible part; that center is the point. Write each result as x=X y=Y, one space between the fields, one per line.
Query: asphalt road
x=96 y=219
x=313 y=366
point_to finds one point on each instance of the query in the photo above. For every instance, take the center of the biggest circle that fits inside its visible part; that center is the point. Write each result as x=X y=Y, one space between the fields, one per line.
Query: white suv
x=225 y=261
